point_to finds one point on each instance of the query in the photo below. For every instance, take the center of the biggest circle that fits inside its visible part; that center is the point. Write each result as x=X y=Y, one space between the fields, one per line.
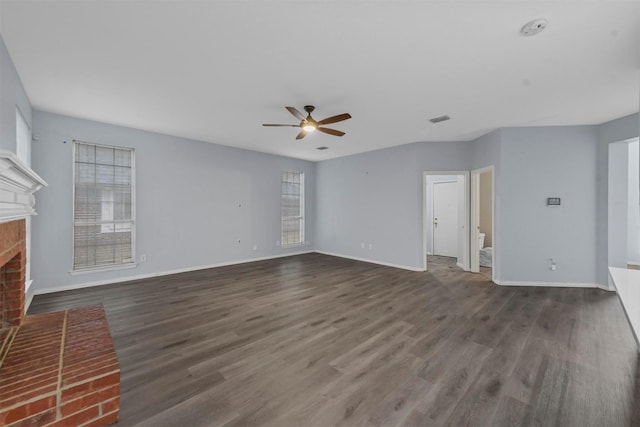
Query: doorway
x=483 y=259
x=446 y=218
x=624 y=205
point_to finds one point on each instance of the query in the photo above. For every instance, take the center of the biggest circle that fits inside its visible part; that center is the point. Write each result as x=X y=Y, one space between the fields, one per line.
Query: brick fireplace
x=12 y=266
x=56 y=369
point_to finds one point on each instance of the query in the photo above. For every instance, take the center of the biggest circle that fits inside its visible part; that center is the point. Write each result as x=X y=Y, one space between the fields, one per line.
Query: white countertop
x=627 y=283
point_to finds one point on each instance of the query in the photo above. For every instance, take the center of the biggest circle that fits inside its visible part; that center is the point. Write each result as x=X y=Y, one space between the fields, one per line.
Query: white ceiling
x=216 y=70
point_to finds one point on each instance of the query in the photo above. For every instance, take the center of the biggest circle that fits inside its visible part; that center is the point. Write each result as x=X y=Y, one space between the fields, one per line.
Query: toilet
x=486 y=254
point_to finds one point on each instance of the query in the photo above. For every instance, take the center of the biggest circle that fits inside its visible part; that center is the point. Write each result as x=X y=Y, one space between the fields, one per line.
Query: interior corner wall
x=197 y=204
x=376 y=198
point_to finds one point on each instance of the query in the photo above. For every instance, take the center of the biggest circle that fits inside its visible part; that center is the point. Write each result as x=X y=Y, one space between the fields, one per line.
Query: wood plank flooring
x=314 y=340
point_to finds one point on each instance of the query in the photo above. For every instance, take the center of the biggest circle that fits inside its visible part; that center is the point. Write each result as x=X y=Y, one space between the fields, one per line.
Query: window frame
x=301 y=217
x=119 y=266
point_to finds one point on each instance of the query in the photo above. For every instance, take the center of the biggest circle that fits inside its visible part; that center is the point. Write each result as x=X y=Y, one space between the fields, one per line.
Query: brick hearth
x=56 y=369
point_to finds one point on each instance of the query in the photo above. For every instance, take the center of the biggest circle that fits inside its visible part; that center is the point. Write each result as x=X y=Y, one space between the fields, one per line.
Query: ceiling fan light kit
x=308 y=124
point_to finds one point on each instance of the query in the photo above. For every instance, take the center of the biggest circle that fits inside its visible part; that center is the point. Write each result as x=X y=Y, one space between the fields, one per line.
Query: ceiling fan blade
x=302 y=134
x=271 y=124
x=334 y=119
x=297 y=114
x=331 y=131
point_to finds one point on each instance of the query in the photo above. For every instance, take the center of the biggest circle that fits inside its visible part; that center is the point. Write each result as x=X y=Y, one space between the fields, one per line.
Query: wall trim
x=553 y=284
x=371 y=261
x=28 y=299
x=18 y=183
x=158 y=274
x=28 y=295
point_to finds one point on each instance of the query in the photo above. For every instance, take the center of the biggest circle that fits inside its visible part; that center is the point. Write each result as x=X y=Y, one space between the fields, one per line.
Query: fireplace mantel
x=17 y=185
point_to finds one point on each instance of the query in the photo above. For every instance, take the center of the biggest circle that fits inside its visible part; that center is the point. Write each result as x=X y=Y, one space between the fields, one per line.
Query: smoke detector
x=534 y=27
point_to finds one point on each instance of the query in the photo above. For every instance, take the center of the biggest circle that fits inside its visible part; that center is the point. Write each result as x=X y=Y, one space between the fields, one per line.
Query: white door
x=445 y=219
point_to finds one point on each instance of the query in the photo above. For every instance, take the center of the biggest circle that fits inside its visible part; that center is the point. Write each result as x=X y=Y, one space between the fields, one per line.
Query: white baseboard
x=28 y=295
x=371 y=261
x=553 y=284
x=634 y=263
x=157 y=274
x=460 y=265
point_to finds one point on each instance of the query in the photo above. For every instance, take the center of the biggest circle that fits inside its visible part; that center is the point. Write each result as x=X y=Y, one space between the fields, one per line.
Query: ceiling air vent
x=440 y=119
x=322 y=148
x=534 y=27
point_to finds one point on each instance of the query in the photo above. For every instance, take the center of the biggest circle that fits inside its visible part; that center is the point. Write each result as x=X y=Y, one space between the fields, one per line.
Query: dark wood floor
x=314 y=340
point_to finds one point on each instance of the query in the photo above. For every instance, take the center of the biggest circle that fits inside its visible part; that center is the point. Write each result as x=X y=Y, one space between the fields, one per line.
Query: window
x=292 y=208
x=104 y=206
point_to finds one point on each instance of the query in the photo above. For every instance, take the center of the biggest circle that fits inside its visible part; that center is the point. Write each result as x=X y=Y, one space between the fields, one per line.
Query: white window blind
x=292 y=208
x=104 y=206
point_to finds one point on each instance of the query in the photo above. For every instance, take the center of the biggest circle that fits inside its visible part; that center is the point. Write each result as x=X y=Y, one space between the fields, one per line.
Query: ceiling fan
x=309 y=124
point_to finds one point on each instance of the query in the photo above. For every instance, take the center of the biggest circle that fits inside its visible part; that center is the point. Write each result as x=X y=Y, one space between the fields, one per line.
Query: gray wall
x=370 y=198
x=195 y=200
x=12 y=95
x=537 y=163
x=377 y=198
x=374 y=198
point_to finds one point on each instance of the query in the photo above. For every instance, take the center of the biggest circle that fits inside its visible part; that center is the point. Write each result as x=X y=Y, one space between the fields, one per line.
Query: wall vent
x=322 y=148
x=440 y=119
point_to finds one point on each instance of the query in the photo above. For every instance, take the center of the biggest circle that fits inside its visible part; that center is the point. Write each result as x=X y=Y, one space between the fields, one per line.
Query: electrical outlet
x=255 y=246
x=362 y=245
x=143 y=258
x=552 y=264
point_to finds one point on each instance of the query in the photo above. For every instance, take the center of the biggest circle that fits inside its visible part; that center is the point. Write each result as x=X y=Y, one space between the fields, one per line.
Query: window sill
x=103 y=269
